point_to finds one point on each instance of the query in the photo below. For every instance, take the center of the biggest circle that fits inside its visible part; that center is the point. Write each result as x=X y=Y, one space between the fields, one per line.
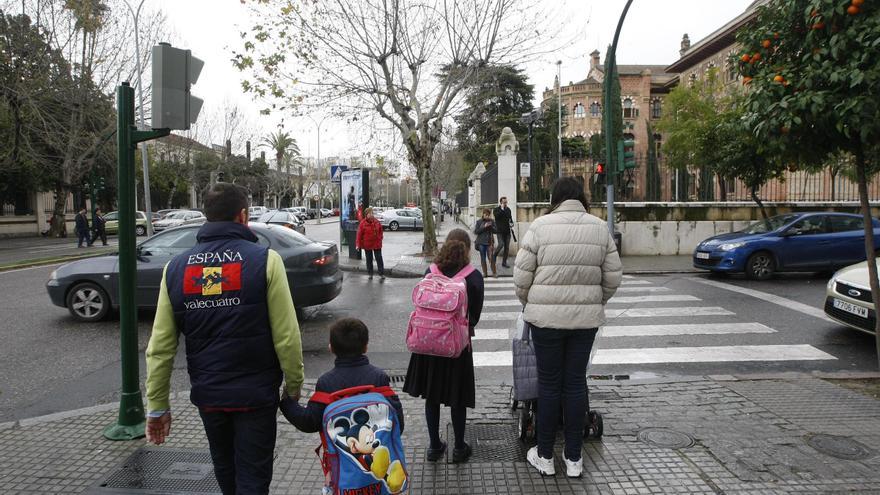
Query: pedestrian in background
x=449 y=381
x=82 y=228
x=566 y=270
x=369 y=238
x=230 y=299
x=485 y=230
x=503 y=224
x=98 y=227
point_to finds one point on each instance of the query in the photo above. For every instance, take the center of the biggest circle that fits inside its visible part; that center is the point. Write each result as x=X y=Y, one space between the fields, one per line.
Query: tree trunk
x=760 y=203
x=58 y=222
x=869 y=242
x=722 y=189
x=429 y=244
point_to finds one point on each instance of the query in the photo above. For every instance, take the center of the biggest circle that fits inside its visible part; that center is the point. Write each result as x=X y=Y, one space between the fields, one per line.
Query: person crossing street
x=503 y=224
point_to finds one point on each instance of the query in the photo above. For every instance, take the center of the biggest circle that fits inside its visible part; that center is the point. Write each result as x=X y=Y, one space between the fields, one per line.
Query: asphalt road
x=700 y=326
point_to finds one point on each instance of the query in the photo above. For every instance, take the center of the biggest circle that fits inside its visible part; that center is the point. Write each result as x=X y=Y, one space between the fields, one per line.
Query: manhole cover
x=491 y=443
x=667 y=439
x=153 y=471
x=839 y=447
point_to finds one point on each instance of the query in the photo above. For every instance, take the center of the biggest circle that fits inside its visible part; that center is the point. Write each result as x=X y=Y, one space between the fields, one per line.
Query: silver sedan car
x=400 y=219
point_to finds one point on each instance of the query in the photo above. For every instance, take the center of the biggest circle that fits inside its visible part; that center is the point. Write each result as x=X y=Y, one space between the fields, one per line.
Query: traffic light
x=626 y=150
x=600 y=173
x=174 y=71
x=101 y=184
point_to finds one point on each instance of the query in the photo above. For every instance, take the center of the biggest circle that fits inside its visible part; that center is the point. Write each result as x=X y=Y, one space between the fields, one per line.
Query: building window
x=658 y=143
x=579 y=111
x=595 y=109
x=655 y=109
x=692 y=78
x=628 y=108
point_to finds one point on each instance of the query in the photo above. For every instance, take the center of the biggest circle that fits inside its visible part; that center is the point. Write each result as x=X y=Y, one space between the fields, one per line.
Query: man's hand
x=159 y=428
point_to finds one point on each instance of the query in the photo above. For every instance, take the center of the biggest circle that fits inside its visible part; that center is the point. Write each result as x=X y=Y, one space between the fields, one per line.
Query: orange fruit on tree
x=858 y=3
x=778 y=78
x=756 y=57
x=766 y=43
x=853 y=10
x=819 y=25
x=746 y=57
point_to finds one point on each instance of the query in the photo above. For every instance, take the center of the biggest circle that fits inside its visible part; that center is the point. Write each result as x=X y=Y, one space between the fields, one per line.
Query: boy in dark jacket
x=348 y=341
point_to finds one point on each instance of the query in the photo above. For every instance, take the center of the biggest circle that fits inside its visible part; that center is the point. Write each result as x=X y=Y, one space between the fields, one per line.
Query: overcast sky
x=651 y=35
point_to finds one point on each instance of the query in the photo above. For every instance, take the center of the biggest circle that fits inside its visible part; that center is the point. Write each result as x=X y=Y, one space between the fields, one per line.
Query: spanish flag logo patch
x=212 y=280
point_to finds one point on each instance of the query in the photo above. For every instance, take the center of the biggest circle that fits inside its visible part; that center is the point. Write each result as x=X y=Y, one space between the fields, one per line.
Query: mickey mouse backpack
x=360 y=438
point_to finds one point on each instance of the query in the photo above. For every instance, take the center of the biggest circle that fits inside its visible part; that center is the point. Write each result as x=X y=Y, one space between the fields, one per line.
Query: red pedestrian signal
x=600 y=168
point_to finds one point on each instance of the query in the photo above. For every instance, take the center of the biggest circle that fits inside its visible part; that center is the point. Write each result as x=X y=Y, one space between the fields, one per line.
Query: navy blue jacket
x=348 y=372
x=81 y=222
x=218 y=294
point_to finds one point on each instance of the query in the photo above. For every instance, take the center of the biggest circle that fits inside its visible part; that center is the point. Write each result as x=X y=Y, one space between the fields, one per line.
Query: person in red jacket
x=369 y=238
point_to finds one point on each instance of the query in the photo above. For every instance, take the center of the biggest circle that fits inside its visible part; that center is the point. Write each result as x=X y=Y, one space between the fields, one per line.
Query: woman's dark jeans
x=562 y=357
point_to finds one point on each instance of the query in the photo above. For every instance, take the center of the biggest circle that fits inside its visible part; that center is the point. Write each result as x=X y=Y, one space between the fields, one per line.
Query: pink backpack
x=439 y=324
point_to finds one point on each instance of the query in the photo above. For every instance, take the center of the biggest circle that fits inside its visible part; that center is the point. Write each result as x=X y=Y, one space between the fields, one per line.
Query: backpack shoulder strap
x=330 y=397
x=435 y=269
x=464 y=272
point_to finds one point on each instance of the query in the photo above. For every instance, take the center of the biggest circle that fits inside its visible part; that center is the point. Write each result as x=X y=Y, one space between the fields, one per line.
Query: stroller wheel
x=525 y=427
x=514 y=404
x=595 y=426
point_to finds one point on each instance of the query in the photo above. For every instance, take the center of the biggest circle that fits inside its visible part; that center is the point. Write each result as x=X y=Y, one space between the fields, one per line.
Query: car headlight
x=730 y=246
x=832 y=281
x=53 y=275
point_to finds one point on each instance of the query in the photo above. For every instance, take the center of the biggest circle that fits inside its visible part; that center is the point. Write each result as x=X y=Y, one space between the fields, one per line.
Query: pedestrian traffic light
x=600 y=173
x=174 y=71
x=626 y=150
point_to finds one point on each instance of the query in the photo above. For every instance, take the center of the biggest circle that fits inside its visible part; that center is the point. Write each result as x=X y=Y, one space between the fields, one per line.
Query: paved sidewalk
x=402 y=258
x=746 y=435
x=23 y=251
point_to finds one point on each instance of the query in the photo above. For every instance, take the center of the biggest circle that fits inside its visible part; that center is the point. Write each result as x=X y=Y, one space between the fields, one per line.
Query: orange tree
x=812 y=68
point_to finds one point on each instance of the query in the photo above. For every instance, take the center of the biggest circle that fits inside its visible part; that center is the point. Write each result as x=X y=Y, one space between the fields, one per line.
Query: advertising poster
x=352 y=195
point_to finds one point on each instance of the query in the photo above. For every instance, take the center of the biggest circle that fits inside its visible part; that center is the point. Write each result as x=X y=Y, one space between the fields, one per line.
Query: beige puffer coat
x=567 y=268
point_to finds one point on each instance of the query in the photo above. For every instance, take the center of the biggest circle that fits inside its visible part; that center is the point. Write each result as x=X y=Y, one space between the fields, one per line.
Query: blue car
x=811 y=242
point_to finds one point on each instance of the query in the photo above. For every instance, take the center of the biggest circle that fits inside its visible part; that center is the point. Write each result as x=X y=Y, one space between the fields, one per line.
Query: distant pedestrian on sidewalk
x=82 y=228
x=449 y=381
x=485 y=230
x=566 y=270
x=229 y=297
x=369 y=238
x=98 y=227
x=503 y=224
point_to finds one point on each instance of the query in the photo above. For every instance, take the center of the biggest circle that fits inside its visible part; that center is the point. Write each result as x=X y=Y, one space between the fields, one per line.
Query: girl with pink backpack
x=447 y=380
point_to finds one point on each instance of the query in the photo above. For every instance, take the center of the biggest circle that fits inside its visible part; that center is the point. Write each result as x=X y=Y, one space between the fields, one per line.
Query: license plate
x=851 y=308
x=702 y=256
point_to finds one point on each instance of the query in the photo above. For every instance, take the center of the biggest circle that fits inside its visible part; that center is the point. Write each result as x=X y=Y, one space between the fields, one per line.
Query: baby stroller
x=524 y=395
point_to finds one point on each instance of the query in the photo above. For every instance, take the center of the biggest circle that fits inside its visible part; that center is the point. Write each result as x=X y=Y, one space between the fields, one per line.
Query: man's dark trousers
x=242 y=448
x=503 y=245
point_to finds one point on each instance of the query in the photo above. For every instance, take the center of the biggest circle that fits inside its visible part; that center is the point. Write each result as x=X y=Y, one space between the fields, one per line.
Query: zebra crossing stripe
x=498 y=358
x=693 y=329
x=499 y=316
x=710 y=354
x=643 y=289
x=496 y=285
x=502 y=303
x=507 y=292
x=635 y=282
x=628 y=277
x=638 y=299
x=667 y=312
x=491 y=334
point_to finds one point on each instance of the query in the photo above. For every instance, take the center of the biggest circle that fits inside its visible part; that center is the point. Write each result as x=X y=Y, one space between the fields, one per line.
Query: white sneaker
x=574 y=469
x=544 y=466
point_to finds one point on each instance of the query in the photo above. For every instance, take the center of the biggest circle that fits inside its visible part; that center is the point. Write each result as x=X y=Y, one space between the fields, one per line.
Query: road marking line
x=499 y=358
x=499 y=292
x=495 y=285
x=638 y=299
x=31 y=268
x=628 y=277
x=491 y=334
x=504 y=302
x=693 y=329
x=665 y=312
x=710 y=354
x=635 y=282
x=500 y=316
x=771 y=298
x=643 y=289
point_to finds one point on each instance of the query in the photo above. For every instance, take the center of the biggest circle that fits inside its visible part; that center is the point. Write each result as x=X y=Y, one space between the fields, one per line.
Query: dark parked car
x=89 y=288
x=812 y=242
x=285 y=219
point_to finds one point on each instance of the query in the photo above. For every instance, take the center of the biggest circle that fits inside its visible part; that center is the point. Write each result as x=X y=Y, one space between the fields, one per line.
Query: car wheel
x=140 y=230
x=760 y=266
x=88 y=302
x=393 y=226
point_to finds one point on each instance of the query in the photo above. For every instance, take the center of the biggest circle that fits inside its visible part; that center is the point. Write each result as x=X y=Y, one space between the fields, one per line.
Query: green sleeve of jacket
x=285 y=327
x=160 y=353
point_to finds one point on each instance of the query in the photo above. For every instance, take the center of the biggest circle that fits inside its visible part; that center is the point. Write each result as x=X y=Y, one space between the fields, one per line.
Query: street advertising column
x=354 y=199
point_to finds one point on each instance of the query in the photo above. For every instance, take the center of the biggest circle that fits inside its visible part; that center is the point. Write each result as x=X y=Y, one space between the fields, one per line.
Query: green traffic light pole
x=130 y=424
x=610 y=74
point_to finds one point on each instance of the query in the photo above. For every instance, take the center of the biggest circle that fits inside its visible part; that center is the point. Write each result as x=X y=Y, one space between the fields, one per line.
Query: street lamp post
x=318 y=124
x=559 y=118
x=137 y=50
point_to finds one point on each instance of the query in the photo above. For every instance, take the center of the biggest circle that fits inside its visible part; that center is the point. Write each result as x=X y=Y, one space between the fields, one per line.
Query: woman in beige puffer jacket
x=567 y=269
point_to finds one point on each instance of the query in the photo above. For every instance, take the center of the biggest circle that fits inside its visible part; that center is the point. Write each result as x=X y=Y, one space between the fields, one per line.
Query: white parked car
x=400 y=219
x=848 y=298
x=178 y=218
x=299 y=211
x=257 y=211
